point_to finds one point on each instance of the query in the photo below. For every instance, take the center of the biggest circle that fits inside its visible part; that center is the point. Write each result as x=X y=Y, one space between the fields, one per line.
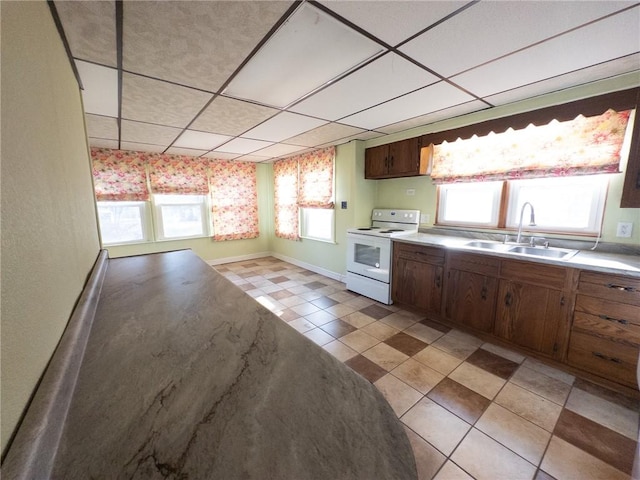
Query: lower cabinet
x=471 y=290
x=605 y=334
x=417 y=276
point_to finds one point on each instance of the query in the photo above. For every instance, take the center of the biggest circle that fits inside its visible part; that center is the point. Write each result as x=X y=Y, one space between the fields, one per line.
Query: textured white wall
x=49 y=230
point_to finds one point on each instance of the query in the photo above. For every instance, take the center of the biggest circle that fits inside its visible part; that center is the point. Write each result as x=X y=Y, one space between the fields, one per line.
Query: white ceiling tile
x=601 y=71
x=393 y=22
x=103 y=143
x=279 y=150
x=252 y=158
x=324 y=134
x=199 y=44
x=228 y=116
x=222 y=155
x=309 y=50
x=473 y=106
x=284 y=125
x=102 y=127
x=200 y=140
x=383 y=79
x=142 y=147
x=90 y=28
x=242 y=145
x=100 y=94
x=190 y=152
x=618 y=35
x=427 y=100
x=154 y=101
x=148 y=133
x=488 y=30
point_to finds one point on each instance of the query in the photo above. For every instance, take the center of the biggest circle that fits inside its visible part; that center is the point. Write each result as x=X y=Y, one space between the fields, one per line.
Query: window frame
x=156 y=207
x=145 y=217
x=496 y=214
x=302 y=224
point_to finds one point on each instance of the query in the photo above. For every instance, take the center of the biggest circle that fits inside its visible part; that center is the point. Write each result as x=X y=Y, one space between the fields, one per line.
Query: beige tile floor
x=472 y=410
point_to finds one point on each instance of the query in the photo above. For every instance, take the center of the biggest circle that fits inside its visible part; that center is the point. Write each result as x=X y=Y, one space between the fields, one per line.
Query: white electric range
x=369 y=251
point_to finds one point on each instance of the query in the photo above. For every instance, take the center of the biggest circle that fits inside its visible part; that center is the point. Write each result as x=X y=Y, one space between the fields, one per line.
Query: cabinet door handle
x=392 y=160
x=438 y=281
x=611 y=319
x=508 y=299
x=604 y=357
x=483 y=293
x=562 y=301
x=622 y=288
x=386 y=162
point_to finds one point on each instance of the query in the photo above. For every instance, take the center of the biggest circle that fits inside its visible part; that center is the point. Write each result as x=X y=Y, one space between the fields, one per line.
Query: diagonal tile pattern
x=472 y=410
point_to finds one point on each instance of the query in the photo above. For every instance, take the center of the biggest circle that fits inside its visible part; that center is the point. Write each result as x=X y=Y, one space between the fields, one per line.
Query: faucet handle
x=532 y=241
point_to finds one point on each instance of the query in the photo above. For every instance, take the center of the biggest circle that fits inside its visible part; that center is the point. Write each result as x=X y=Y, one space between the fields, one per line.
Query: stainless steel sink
x=488 y=245
x=559 y=253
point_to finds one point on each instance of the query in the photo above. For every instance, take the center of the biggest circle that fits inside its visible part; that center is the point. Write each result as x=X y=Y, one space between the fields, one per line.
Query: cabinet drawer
x=608 y=328
x=534 y=273
x=612 y=287
x=468 y=262
x=621 y=313
x=419 y=253
x=603 y=357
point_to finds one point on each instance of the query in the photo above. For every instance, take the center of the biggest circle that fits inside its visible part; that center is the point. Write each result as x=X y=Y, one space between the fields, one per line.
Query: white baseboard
x=239 y=258
x=309 y=266
x=253 y=256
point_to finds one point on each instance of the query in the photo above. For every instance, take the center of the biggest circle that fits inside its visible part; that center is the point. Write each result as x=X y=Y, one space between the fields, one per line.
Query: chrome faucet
x=532 y=222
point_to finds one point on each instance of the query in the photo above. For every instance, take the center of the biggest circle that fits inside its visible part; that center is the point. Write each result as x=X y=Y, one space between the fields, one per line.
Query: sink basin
x=488 y=245
x=558 y=253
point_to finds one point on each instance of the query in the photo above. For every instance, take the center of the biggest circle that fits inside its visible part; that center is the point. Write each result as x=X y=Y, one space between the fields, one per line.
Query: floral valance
x=234 y=200
x=585 y=145
x=285 y=179
x=315 y=186
x=178 y=174
x=119 y=175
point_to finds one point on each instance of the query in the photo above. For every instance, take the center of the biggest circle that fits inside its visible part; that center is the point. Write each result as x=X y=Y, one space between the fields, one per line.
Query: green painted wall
x=49 y=227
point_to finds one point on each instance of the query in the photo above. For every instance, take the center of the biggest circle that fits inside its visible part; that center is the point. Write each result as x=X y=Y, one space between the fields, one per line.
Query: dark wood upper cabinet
x=398 y=159
x=631 y=189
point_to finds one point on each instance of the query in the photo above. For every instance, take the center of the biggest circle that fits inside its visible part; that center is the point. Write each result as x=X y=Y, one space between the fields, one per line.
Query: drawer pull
x=622 y=288
x=508 y=299
x=604 y=357
x=483 y=293
x=438 y=281
x=611 y=319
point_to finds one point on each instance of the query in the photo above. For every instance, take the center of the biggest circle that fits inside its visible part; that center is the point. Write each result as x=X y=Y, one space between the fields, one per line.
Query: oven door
x=369 y=256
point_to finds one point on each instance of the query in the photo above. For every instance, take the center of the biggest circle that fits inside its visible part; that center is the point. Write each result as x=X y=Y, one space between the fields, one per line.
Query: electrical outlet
x=411 y=192
x=624 y=229
x=425 y=218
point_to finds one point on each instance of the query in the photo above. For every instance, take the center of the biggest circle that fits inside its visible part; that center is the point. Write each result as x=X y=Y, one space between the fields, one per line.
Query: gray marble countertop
x=591 y=260
x=185 y=376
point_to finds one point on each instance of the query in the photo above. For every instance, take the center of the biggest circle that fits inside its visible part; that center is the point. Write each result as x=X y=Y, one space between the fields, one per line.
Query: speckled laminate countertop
x=591 y=260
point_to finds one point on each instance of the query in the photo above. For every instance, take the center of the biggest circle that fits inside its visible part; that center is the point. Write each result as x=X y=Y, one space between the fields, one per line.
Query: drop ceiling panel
x=427 y=100
x=324 y=134
x=618 y=36
x=393 y=22
x=102 y=127
x=100 y=94
x=385 y=78
x=103 y=143
x=148 y=133
x=222 y=155
x=279 y=150
x=228 y=116
x=283 y=126
x=154 y=101
x=443 y=114
x=594 y=73
x=201 y=42
x=242 y=146
x=252 y=158
x=488 y=30
x=141 y=147
x=90 y=28
x=309 y=50
x=190 y=152
x=200 y=140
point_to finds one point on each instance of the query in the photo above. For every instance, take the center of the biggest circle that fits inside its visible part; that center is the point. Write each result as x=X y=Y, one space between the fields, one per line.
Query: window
x=565 y=204
x=180 y=216
x=470 y=204
x=303 y=196
x=123 y=222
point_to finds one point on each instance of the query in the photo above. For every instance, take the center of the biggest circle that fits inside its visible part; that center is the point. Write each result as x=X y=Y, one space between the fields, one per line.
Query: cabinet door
x=531 y=316
x=417 y=284
x=404 y=157
x=376 y=160
x=471 y=299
